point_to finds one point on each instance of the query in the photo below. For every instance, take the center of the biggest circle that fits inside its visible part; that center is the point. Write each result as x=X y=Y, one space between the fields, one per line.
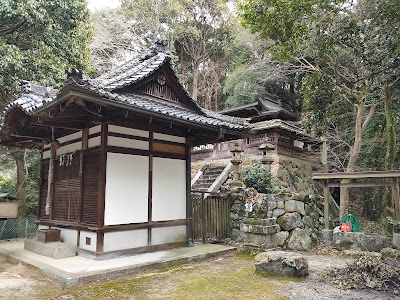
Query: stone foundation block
x=258 y=221
x=266 y=241
x=281 y=263
x=270 y=229
x=53 y=249
x=359 y=241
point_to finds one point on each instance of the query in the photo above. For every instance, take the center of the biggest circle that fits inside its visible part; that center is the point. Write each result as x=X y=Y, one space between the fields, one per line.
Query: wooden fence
x=211 y=217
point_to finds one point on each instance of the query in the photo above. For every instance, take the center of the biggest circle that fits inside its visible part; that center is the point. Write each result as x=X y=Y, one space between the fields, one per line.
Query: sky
x=99 y=4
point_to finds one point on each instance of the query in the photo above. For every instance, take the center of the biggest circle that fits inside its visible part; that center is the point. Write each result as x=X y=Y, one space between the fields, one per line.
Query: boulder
x=281 y=263
x=281 y=204
x=299 y=239
x=359 y=241
x=289 y=221
x=281 y=238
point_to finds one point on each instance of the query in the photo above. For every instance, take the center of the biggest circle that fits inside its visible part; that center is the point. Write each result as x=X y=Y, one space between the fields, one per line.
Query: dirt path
x=227 y=277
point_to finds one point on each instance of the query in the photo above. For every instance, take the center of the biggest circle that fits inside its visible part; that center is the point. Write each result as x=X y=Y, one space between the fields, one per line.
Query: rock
x=281 y=204
x=314 y=236
x=298 y=197
x=390 y=252
x=290 y=206
x=299 y=239
x=281 y=263
x=289 y=221
x=278 y=212
x=271 y=205
x=396 y=240
x=300 y=207
x=281 y=238
x=308 y=222
x=327 y=236
x=359 y=241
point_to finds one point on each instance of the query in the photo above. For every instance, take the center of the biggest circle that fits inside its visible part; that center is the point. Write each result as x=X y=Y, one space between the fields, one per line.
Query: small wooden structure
x=115 y=168
x=390 y=179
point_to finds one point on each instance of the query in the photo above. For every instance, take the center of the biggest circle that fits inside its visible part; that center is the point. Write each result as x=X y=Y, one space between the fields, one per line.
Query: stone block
x=52 y=249
x=327 y=236
x=281 y=238
x=259 y=229
x=308 y=222
x=359 y=241
x=396 y=240
x=281 y=263
x=280 y=204
x=267 y=241
x=272 y=205
x=289 y=221
x=258 y=221
x=299 y=239
x=300 y=207
x=290 y=206
x=278 y=212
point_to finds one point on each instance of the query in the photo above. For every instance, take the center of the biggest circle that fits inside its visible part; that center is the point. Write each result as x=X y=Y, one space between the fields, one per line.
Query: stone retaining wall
x=300 y=218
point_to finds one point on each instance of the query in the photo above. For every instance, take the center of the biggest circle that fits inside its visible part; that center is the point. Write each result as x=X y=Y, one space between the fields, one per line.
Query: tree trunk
x=354 y=152
x=19 y=157
x=390 y=129
x=195 y=84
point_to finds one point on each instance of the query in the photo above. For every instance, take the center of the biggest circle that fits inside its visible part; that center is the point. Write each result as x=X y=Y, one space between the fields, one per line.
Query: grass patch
x=228 y=277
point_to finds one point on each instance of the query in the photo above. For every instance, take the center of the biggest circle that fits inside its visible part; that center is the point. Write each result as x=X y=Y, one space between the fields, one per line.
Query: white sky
x=99 y=4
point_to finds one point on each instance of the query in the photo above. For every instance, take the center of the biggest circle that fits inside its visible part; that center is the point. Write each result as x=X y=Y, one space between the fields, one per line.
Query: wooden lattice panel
x=153 y=88
x=90 y=188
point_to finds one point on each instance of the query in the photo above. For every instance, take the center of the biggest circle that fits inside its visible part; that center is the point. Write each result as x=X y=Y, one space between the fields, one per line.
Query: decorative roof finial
x=25 y=87
x=74 y=75
x=160 y=46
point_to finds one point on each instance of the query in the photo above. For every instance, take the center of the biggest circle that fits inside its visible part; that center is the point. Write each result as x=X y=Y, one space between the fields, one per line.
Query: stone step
x=53 y=249
x=258 y=221
x=205 y=181
x=213 y=177
x=260 y=229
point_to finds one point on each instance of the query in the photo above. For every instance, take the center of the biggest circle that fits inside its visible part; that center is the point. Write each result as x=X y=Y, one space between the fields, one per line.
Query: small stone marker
x=281 y=263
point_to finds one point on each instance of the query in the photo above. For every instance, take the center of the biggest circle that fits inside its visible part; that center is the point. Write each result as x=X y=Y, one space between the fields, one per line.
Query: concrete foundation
x=54 y=249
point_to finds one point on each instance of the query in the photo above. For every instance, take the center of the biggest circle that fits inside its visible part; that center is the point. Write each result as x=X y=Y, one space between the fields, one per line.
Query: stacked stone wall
x=300 y=218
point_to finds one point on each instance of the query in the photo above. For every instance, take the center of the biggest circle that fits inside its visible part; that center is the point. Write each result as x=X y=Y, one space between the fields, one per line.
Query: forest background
x=335 y=63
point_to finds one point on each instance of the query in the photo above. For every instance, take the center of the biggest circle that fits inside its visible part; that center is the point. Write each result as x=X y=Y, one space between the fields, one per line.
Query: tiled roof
x=131 y=72
x=32 y=96
x=153 y=106
x=271 y=124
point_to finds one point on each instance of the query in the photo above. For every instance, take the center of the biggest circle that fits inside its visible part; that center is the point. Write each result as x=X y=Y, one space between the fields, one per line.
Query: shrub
x=258 y=177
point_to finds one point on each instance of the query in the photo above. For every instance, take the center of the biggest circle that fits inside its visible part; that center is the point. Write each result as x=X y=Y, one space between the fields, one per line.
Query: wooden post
x=396 y=197
x=324 y=155
x=326 y=203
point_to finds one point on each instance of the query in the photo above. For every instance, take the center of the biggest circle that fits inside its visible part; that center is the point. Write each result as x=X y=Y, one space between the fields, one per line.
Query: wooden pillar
x=326 y=203
x=396 y=197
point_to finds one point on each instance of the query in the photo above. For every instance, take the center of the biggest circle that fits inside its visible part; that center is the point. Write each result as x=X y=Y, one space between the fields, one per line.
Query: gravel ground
x=20 y=282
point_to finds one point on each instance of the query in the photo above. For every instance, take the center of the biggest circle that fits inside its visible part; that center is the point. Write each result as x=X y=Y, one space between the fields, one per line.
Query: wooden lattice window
x=163 y=91
x=90 y=187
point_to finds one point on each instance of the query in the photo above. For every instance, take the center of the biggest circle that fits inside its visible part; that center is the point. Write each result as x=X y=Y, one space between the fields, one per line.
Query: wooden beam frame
x=392 y=177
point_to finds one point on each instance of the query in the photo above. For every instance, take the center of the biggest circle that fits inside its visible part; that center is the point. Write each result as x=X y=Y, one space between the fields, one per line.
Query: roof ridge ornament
x=75 y=75
x=25 y=87
x=160 y=46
